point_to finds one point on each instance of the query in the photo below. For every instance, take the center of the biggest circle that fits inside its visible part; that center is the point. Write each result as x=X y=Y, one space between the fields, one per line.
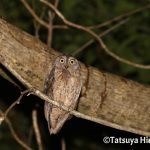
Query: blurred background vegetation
x=130 y=41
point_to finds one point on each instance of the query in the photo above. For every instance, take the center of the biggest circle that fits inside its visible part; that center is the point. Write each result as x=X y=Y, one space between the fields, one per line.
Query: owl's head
x=67 y=62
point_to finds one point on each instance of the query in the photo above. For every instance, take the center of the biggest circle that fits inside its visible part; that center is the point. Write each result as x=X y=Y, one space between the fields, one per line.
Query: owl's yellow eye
x=72 y=61
x=62 y=60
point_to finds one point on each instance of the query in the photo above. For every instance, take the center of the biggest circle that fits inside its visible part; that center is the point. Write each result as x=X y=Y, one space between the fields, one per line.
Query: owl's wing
x=48 y=85
x=47 y=110
x=60 y=122
x=48 y=90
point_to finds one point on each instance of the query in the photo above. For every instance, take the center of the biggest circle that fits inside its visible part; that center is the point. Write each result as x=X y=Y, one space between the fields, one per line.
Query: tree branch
x=37 y=130
x=51 y=16
x=106 y=99
x=120 y=17
x=18 y=140
x=14 y=103
x=13 y=132
x=100 y=35
x=36 y=17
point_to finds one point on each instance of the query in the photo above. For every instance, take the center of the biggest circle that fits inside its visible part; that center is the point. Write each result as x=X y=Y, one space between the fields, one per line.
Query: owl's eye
x=72 y=61
x=62 y=60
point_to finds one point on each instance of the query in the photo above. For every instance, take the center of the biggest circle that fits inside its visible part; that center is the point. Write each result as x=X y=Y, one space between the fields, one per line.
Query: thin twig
x=60 y=27
x=36 y=24
x=130 y=13
x=63 y=144
x=99 y=40
x=30 y=135
x=39 y=19
x=14 y=73
x=35 y=16
x=36 y=129
x=16 y=137
x=12 y=105
x=51 y=16
x=14 y=134
x=100 y=35
x=108 y=22
x=50 y=30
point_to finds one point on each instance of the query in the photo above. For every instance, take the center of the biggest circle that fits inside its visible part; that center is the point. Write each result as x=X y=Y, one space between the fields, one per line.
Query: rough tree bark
x=120 y=103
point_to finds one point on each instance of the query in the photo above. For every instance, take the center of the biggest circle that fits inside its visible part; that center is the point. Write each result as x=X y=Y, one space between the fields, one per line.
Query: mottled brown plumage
x=63 y=84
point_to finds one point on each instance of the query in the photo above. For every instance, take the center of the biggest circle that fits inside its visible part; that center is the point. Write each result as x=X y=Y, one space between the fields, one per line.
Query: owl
x=63 y=85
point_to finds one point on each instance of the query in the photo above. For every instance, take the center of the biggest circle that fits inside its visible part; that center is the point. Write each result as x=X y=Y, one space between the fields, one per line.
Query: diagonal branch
x=51 y=16
x=13 y=105
x=120 y=17
x=14 y=134
x=100 y=35
x=36 y=24
x=36 y=17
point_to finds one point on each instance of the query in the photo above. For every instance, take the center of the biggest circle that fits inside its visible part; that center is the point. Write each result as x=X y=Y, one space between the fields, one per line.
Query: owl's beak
x=66 y=66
